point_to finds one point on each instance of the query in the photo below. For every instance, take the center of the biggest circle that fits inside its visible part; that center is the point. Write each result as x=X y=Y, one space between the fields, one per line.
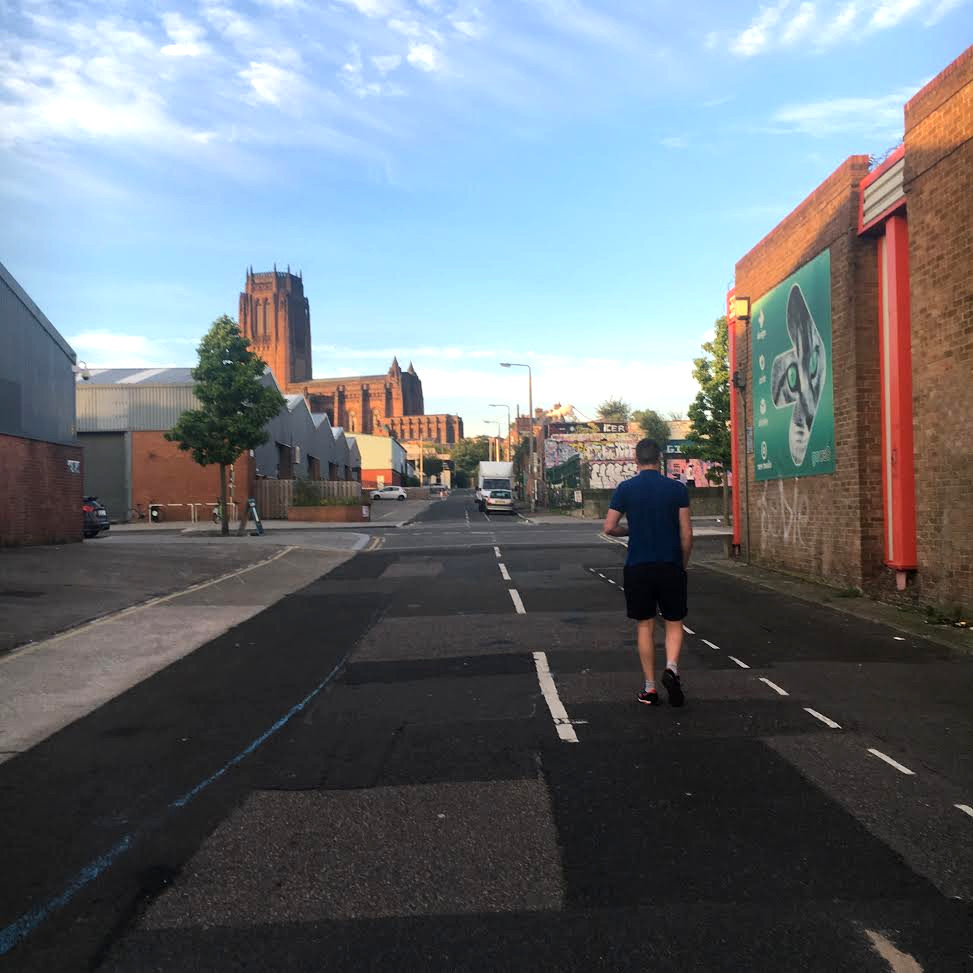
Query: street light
x=531 y=484
x=503 y=405
x=497 y=423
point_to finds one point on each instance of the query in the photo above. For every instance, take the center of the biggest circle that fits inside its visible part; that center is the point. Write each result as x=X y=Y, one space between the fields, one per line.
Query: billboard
x=793 y=396
x=589 y=460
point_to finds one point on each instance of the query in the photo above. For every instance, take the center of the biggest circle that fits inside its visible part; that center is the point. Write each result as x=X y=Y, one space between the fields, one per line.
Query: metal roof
x=139 y=376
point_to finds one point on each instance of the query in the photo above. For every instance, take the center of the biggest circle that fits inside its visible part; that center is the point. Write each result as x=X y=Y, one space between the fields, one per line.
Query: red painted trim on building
x=731 y=331
x=895 y=359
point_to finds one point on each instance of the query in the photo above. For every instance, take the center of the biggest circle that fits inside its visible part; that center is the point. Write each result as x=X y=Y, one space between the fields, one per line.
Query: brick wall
x=369 y=478
x=939 y=194
x=827 y=526
x=40 y=498
x=163 y=473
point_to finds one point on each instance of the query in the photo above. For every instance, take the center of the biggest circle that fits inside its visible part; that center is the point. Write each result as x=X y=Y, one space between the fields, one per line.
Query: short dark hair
x=647 y=452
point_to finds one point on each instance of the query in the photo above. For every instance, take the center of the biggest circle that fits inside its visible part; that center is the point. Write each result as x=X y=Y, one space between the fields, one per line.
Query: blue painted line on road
x=29 y=921
x=21 y=928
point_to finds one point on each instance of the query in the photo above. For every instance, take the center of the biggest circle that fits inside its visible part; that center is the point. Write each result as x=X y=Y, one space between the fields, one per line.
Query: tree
x=709 y=414
x=234 y=404
x=466 y=455
x=654 y=427
x=614 y=410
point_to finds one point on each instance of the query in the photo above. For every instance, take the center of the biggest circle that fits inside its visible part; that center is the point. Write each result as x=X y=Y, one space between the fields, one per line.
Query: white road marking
x=689 y=631
x=898 y=961
x=600 y=575
x=965 y=808
x=710 y=644
x=892 y=763
x=559 y=714
x=504 y=573
x=775 y=687
x=496 y=551
x=742 y=665
x=609 y=580
x=822 y=718
x=518 y=602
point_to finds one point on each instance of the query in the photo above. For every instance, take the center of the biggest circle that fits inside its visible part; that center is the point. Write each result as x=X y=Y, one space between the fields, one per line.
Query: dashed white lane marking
x=496 y=551
x=504 y=573
x=898 y=961
x=518 y=602
x=824 y=719
x=609 y=580
x=710 y=644
x=775 y=687
x=689 y=631
x=558 y=713
x=600 y=575
x=965 y=808
x=892 y=763
x=733 y=658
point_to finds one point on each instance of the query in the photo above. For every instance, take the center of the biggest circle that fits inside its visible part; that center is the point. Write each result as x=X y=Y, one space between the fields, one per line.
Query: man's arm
x=613 y=527
x=685 y=535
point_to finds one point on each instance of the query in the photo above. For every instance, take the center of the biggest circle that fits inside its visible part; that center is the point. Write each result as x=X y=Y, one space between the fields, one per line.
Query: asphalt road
x=377 y=772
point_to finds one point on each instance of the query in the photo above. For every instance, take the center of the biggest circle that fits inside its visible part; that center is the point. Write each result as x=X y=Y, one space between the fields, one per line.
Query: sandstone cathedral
x=276 y=317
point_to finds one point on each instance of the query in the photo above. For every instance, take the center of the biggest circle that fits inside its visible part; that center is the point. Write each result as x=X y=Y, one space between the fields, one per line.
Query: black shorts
x=662 y=585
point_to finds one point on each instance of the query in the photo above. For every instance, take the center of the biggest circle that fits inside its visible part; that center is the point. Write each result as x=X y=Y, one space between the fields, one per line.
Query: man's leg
x=673 y=644
x=646 y=643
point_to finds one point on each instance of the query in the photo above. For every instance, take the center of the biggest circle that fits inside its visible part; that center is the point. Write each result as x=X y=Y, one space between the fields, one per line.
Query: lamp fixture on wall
x=741 y=308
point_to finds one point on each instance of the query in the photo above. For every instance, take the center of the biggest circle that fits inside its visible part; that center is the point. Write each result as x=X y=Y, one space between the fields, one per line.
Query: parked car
x=95 y=517
x=499 y=501
x=389 y=493
x=438 y=490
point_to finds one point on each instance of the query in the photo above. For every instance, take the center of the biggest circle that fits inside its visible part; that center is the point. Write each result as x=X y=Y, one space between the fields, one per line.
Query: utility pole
x=531 y=480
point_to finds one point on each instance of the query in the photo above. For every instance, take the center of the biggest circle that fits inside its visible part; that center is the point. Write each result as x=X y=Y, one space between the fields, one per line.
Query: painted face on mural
x=797 y=377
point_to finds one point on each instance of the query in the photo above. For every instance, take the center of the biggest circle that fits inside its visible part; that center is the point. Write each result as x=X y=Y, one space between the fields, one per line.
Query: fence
x=275 y=496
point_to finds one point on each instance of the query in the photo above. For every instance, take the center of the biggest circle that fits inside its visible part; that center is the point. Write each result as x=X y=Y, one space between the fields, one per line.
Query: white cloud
x=674 y=142
x=425 y=57
x=271 y=83
x=840 y=25
x=758 y=36
x=800 y=24
x=230 y=23
x=109 y=349
x=826 y=117
x=372 y=8
x=186 y=37
x=352 y=74
x=941 y=9
x=385 y=63
x=711 y=40
x=890 y=14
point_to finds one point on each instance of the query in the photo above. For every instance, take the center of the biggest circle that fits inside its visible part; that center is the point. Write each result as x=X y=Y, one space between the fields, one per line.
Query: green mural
x=793 y=397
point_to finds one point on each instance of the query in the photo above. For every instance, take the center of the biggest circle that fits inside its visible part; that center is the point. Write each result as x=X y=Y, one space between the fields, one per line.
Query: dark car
x=95 y=517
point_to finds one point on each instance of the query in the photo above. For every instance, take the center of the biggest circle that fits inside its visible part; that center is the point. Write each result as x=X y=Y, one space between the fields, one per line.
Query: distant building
x=40 y=459
x=275 y=315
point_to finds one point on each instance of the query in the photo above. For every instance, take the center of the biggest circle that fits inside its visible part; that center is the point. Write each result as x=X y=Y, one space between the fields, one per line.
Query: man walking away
x=660 y=540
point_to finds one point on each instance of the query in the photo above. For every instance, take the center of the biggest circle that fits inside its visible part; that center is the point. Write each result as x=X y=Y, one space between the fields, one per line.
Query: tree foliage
x=709 y=414
x=235 y=405
x=654 y=427
x=466 y=455
x=614 y=410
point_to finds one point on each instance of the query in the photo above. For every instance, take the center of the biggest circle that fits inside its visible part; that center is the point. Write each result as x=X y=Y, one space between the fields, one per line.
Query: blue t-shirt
x=651 y=502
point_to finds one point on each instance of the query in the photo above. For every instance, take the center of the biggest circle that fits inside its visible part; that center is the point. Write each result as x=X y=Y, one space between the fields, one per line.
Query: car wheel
x=400 y=497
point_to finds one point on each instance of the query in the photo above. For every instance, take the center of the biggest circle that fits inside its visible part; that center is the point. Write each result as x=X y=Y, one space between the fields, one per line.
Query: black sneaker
x=671 y=681
x=650 y=698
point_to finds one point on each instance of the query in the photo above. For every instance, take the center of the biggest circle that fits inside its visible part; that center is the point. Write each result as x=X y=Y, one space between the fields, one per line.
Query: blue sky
x=564 y=182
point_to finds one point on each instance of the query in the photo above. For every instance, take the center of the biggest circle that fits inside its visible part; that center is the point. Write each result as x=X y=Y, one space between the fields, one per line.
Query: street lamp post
x=497 y=422
x=531 y=484
x=503 y=405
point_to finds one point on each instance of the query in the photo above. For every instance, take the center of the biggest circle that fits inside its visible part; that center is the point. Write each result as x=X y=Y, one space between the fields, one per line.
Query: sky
x=565 y=183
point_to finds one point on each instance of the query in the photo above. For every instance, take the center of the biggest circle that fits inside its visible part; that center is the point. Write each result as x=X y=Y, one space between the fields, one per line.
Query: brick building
x=856 y=355
x=276 y=317
x=41 y=485
x=124 y=413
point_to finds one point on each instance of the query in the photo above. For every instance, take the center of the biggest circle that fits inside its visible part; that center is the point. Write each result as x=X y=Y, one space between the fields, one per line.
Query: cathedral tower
x=276 y=317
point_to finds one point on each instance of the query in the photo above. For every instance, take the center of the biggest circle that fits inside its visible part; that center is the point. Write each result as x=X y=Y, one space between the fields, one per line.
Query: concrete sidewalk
x=46 y=685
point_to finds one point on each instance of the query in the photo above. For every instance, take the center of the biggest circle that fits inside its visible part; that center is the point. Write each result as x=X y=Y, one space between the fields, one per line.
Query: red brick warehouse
x=854 y=337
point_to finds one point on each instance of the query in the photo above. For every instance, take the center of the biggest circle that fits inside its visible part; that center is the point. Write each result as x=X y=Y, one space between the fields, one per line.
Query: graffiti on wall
x=589 y=460
x=784 y=514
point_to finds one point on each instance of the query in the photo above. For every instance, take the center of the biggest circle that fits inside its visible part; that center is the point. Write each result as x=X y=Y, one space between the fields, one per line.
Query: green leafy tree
x=654 y=427
x=614 y=410
x=235 y=405
x=466 y=455
x=709 y=414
